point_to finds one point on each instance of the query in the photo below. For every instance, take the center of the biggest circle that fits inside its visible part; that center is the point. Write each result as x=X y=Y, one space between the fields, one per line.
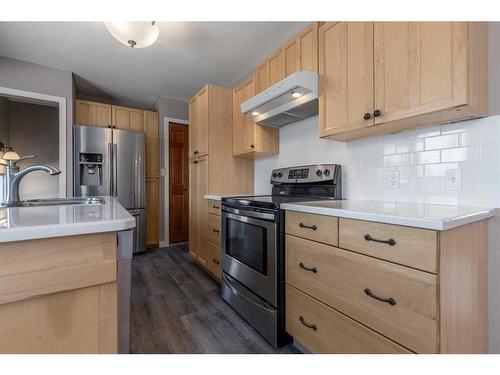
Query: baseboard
x=164 y=244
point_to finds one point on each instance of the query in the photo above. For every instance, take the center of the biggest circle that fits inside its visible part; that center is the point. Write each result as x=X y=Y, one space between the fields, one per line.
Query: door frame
x=48 y=100
x=164 y=196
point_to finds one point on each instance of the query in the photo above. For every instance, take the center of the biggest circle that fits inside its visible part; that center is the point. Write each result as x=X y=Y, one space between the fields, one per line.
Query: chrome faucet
x=14 y=176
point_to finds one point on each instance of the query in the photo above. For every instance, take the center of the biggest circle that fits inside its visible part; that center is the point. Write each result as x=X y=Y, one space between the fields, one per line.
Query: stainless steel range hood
x=293 y=99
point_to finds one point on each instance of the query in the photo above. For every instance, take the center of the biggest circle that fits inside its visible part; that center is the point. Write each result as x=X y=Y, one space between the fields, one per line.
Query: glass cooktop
x=268 y=201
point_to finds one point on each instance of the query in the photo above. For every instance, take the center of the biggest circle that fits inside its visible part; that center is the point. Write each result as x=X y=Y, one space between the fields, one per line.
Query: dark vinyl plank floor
x=177 y=308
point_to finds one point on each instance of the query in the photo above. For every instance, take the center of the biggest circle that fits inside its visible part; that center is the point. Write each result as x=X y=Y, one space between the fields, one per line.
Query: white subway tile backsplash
x=438 y=169
x=425 y=157
x=421 y=156
x=460 y=154
x=440 y=142
x=395 y=160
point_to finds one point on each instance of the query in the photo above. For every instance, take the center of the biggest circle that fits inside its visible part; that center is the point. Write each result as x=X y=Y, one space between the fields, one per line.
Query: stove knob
x=280 y=174
x=319 y=173
x=327 y=172
x=275 y=175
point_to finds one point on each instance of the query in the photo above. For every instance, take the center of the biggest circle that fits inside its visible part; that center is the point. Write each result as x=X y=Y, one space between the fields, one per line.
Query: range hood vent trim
x=277 y=107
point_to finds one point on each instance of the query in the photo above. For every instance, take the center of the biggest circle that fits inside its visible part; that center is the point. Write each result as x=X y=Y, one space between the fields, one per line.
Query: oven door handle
x=249 y=298
x=255 y=214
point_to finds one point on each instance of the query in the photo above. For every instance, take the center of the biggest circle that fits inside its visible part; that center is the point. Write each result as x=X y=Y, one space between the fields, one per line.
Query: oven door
x=249 y=250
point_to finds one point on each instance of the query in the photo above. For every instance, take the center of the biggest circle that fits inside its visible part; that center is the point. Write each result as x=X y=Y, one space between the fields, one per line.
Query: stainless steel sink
x=56 y=202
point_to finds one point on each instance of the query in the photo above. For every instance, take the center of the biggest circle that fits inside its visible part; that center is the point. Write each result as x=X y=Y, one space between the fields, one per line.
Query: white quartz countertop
x=216 y=197
x=427 y=216
x=27 y=223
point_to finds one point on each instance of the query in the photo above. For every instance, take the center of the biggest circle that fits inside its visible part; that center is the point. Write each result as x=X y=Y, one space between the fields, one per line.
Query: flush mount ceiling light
x=255 y=113
x=296 y=94
x=134 y=34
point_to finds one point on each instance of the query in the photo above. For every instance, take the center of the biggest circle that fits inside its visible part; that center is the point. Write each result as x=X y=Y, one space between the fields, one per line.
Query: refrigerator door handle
x=110 y=170
x=115 y=170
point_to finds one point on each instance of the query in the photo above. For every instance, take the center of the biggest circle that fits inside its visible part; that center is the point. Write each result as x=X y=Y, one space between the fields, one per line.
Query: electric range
x=253 y=244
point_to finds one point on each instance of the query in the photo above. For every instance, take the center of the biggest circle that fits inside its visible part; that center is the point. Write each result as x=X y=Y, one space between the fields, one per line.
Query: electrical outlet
x=453 y=179
x=162 y=172
x=393 y=179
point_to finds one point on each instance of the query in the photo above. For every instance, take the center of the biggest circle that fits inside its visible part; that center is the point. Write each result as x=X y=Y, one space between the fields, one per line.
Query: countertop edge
x=423 y=223
x=74 y=229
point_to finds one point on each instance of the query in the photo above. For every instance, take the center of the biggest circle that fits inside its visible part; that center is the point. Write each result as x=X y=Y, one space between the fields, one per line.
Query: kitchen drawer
x=344 y=279
x=330 y=331
x=315 y=227
x=214 y=207
x=213 y=260
x=213 y=230
x=412 y=247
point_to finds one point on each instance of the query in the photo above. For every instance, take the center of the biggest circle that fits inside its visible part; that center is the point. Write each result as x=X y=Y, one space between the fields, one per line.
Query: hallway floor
x=177 y=308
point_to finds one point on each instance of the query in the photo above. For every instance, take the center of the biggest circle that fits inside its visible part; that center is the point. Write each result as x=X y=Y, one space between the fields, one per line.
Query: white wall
x=421 y=156
x=22 y=75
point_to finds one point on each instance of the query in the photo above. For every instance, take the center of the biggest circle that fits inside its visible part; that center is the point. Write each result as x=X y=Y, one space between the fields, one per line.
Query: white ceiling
x=186 y=56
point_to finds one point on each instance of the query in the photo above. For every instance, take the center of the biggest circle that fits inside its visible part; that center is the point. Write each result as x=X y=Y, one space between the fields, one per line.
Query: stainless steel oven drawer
x=260 y=314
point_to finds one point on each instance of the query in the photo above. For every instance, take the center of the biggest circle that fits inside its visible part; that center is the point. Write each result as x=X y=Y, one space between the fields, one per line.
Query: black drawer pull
x=216 y=207
x=216 y=261
x=313 y=227
x=391 y=301
x=215 y=230
x=313 y=270
x=196 y=152
x=312 y=326
x=390 y=241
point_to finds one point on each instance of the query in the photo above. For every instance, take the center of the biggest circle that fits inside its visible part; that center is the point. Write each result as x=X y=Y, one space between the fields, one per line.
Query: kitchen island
x=59 y=268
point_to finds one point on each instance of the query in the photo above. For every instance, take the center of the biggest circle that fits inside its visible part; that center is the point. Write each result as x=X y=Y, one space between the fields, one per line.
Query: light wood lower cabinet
x=425 y=290
x=152 y=212
x=198 y=209
x=213 y=239
x=58 y=295
x=324 y=330
x=351 y=283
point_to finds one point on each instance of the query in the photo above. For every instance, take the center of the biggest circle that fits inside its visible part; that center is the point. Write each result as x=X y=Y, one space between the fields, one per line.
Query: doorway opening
x=178 y=182
x=34 y=124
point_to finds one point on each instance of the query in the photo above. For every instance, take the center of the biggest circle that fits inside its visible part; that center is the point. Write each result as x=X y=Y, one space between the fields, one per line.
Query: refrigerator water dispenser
x=90 y=169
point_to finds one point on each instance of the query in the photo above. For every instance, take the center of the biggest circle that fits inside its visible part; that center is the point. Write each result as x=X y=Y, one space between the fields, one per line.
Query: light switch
x=162 y=172
x=453 y=179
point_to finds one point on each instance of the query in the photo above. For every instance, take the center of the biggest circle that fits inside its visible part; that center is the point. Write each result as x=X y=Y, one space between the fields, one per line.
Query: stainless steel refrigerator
x=110 y=162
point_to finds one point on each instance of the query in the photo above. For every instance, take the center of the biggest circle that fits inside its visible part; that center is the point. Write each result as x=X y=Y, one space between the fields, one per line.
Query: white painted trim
x=166 y=122
x=61 y=103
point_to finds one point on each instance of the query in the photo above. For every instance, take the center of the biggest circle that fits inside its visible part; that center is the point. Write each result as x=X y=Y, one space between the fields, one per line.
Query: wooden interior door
x=418 y=68
x=178 y=183
x=193 y=207
x=346 y=76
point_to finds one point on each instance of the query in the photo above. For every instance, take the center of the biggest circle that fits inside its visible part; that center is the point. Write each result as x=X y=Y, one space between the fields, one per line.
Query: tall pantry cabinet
x=212 y=167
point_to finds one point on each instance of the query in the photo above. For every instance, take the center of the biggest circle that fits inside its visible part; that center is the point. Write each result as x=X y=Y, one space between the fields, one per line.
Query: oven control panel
x=306 y=174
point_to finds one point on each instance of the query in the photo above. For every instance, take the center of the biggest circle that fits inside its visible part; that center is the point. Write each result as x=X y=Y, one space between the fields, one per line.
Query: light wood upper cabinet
x=419 y=68
x=346 y=71
x=92 y=113
x=269 y=72
x=199 y=119
x=301 y=52
x=250 y=139
x=127 y=118
x=152 y=137
x=193 y=124
x=400 y=75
